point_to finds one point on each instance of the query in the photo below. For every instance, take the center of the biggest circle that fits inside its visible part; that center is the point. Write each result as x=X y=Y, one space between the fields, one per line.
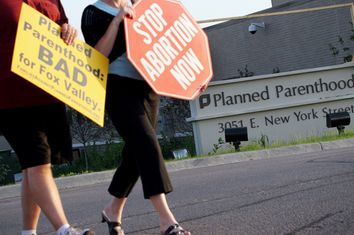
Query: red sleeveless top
x=14 y=90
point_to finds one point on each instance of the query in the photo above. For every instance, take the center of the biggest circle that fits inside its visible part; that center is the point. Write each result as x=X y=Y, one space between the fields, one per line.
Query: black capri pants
x=133 y=108
x=39 y=134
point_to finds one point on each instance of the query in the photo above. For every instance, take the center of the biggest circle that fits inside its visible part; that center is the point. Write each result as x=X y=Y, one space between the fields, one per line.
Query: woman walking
x=133 y=108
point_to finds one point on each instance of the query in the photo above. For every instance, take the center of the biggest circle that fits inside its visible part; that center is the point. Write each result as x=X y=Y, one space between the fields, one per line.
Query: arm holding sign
x=106 y=43
x=95 y=24
x=133 y=108
x=68 y=33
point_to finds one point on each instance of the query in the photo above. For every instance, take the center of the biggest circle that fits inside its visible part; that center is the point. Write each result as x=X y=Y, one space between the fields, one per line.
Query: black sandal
x=175 y=229
x=114 y=228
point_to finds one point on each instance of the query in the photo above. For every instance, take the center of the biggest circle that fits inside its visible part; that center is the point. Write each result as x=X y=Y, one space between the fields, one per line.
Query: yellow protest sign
x=75 y=74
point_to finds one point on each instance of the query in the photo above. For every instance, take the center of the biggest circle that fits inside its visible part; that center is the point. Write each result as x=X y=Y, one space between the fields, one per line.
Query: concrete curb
x=106 y=176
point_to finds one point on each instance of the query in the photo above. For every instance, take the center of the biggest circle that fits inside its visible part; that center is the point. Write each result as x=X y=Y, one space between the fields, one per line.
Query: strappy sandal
x=175 y=229
x=114 y=228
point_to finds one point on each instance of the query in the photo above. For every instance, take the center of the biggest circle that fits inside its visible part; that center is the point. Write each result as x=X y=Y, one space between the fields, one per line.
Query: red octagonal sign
x=168 y=48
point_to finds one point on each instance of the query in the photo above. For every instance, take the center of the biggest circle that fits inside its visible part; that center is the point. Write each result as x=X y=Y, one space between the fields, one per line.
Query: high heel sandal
x=114 y=228
x=175 y=229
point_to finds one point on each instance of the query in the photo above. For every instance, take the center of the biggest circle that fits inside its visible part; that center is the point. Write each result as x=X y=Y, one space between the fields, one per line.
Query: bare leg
x=30 y=209
x=45 y=194
x=166 y=217
x=114 y=209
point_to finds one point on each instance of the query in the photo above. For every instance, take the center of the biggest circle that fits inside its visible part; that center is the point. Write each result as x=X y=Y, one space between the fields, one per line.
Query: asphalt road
x=303 y=194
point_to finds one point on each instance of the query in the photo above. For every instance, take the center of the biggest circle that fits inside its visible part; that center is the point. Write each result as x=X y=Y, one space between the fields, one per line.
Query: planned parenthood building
x=278 y=72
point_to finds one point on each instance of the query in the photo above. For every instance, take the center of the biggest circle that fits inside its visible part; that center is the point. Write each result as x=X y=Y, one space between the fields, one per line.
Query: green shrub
x=170 y=144
x=8 y=167
x=99 y=158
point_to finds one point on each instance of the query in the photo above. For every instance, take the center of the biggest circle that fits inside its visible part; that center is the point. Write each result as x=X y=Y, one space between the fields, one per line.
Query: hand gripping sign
x=168 y=48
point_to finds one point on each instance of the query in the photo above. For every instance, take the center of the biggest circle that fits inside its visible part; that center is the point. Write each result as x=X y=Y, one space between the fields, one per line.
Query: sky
x=199 y=9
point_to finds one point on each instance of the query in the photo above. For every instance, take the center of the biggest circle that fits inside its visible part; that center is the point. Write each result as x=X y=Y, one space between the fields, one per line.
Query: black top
x=94 y=24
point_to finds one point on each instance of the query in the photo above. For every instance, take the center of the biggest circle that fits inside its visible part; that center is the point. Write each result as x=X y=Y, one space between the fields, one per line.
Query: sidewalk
x=106 y=176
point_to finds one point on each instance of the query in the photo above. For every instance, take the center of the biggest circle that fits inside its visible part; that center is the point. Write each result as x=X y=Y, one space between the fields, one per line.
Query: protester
x=34 y=123
x=133 y=107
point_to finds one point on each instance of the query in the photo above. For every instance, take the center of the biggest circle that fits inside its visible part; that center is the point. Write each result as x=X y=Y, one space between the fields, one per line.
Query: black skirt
x=39 y=135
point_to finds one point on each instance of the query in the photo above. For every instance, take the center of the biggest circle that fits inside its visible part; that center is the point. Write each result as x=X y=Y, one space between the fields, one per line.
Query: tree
x=174 y=114
x=4 y=170
x=88 y=133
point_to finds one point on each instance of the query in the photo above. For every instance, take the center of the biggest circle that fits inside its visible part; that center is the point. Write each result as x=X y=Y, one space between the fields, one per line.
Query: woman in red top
x=34 y=123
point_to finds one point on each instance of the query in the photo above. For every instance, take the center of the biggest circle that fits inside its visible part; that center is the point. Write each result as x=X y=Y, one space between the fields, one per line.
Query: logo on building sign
x=168 y=48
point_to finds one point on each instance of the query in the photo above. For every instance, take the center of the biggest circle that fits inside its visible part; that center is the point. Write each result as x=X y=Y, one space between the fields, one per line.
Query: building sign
x=283 y=107
x=168 y=48
x=75 y=74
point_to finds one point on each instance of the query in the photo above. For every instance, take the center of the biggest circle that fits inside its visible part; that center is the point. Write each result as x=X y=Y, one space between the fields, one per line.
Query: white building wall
x=284 y=106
